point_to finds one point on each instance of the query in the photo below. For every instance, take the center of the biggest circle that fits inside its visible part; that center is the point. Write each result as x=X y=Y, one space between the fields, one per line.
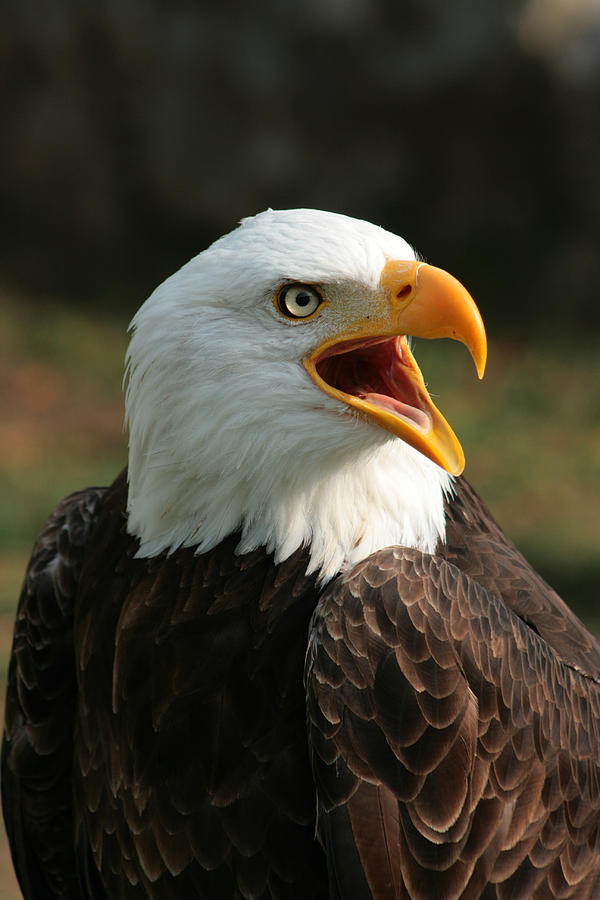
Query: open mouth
x=374 y=375
x=377 y=378
x=382 y=373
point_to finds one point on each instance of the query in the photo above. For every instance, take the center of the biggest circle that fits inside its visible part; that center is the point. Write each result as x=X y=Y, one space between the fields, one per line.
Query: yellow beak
x=415 y=299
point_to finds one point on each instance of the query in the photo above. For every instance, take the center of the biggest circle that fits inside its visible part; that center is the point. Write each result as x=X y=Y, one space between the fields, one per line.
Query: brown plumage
x=156 y=742
x=453 y=724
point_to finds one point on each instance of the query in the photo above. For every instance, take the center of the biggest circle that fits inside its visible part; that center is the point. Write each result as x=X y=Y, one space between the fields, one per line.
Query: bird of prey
x=288 y=653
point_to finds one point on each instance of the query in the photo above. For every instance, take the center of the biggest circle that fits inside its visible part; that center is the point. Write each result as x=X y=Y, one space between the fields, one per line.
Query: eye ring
x=298 y=301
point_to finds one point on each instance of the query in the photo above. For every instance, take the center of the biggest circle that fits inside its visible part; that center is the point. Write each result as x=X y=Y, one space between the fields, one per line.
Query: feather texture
x=156 y=711
x=456 y=718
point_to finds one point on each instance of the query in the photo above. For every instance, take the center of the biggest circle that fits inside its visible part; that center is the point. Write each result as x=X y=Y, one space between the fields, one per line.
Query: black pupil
x=303 y=299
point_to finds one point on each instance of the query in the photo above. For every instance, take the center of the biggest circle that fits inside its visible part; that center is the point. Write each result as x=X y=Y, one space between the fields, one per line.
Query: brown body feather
x=156 y=738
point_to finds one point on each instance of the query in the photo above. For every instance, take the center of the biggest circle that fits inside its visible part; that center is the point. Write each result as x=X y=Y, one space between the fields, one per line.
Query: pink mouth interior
x=375 y=371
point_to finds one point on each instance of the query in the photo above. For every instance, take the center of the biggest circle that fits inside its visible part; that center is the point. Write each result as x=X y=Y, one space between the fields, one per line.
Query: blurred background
x=135 y=133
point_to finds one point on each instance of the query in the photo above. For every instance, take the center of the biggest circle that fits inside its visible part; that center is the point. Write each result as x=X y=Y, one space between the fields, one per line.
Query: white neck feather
x=370 y=502
x=314 y=477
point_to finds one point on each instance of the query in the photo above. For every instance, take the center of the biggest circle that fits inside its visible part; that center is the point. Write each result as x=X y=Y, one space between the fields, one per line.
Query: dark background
x=134 y=133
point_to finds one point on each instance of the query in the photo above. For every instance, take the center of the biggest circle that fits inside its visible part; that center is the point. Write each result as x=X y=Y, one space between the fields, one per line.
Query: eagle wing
x=155 y=741
x=191 y=772
x=37 y=752
x=453 y=749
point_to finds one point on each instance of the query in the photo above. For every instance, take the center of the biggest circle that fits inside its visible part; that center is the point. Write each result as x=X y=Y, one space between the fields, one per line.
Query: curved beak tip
x=437 y=305
x=480 y=359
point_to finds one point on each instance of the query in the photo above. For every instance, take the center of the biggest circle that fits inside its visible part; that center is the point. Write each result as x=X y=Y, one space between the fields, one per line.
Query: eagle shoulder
x=477 y=546
x=451 y=745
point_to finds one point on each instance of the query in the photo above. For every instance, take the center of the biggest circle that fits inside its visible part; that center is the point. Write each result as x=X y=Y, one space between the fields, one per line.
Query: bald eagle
x=288 y=653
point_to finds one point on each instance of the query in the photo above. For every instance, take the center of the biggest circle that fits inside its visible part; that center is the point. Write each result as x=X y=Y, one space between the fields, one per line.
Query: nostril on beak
x=403 y=292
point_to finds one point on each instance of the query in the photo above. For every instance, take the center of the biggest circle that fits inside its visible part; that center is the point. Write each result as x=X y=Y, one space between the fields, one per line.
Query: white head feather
x=227 y=430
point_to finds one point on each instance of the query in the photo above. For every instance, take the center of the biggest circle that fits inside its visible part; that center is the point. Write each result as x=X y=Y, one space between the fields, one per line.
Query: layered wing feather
x=455 y=750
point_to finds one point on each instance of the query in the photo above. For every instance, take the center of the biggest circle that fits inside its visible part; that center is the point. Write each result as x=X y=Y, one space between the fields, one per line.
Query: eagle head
x=271 y=391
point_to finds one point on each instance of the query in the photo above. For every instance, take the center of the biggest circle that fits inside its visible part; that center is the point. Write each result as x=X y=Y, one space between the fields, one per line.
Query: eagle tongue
x=410 y=414
x=399 y=395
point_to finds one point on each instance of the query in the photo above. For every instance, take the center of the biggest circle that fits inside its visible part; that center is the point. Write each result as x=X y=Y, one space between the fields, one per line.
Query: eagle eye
x=298 y=301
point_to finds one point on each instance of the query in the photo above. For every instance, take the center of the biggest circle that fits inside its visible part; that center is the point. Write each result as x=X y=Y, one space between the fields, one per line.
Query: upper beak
x=428 y=302
x=423 y=301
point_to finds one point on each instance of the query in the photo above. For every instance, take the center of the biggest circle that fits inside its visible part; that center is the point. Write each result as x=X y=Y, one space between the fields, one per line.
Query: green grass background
x=530 y=430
